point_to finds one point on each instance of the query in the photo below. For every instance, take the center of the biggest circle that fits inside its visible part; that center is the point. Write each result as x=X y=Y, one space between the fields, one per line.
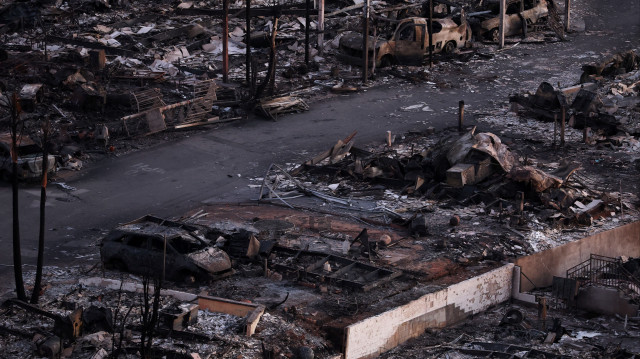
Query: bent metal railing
x=602 y=270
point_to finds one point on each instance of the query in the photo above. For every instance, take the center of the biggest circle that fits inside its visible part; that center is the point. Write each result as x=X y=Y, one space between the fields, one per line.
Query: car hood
x=211 y=259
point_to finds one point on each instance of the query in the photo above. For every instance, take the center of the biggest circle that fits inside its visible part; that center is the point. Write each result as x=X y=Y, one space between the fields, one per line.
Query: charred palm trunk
x=17 y=255
x=43 y=200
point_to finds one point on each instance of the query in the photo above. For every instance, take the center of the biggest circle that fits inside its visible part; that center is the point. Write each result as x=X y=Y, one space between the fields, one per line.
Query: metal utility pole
x=320 y=26
x=306 y=32
x=567 y=12
x=430 y=33
x=365 y=43
x=225 y=41
x=503 y=9
x=248 y=41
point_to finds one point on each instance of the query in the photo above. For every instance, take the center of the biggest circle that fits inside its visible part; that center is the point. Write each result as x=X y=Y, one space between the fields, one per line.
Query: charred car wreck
x=29 y=157
x=154 y=246
x=522 y=16
x=410 y=41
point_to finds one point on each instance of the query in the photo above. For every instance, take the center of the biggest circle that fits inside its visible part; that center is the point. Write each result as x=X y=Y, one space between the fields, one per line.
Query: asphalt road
x=216 y=165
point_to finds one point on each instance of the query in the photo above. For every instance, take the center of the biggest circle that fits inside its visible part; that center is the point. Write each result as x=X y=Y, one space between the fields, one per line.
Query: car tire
x=494 y=35
x=449 y=47
x=117 y=265
x=187 y=277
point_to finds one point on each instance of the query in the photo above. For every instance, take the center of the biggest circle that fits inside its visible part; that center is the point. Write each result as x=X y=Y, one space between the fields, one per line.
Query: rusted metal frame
x=379 y=282
x=350 y=264
x=225 y=41
x=343 y=270
x=318 y=264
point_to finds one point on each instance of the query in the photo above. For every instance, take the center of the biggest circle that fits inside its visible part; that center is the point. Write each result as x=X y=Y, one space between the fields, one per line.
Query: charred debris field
x=416 y=245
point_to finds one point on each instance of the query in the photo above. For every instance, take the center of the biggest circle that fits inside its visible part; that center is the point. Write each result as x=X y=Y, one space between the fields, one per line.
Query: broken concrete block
x=50 y=347
x=461 y=174
x=188 y=315
x=30 y=95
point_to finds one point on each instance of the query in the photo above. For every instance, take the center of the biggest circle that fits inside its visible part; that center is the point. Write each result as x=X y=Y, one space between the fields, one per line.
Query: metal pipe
x=248 y=43
x=567 y=14
x=503 y=9
x=320 y=26
x=306 y=32
x=365 y=43
x=225 y=41
x=460 y=115
x=430 y=33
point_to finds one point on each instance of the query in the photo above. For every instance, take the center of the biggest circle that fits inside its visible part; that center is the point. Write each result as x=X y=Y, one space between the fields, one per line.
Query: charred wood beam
x=92 y=45
x=190 y=30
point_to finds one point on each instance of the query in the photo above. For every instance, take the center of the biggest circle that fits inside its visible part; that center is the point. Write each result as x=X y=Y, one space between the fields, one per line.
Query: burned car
x=410 y=41
x=29 y=156
x=522 y=16
x=161 y=248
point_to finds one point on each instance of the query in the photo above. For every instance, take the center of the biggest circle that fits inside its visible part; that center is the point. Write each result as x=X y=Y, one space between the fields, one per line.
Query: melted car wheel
x=494 y=35
x=449 y=47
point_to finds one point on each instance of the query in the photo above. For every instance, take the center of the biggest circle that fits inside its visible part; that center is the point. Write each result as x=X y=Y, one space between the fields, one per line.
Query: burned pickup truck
x=157 y=247
x=410 y=41
x=522 y=16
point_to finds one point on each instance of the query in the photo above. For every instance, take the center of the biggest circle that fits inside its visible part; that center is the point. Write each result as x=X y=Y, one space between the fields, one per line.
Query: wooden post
x=248 y=42
x=460 y=115
x=320 y=26
x=503 y=9
x=520 y=199
x=225 y=41
x=562 y=124
x=567 y=13
x=430 y=33
x=365 y=43
x=307 y=25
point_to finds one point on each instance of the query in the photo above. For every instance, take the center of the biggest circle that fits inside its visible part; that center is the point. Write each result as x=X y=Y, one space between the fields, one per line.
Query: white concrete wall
x=375 y=335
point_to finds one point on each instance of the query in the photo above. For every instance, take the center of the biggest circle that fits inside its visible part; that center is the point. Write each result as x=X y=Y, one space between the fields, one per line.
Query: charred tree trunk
x=272 y=61
x=35 y=295
x=150 y=307
x=17 y=255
